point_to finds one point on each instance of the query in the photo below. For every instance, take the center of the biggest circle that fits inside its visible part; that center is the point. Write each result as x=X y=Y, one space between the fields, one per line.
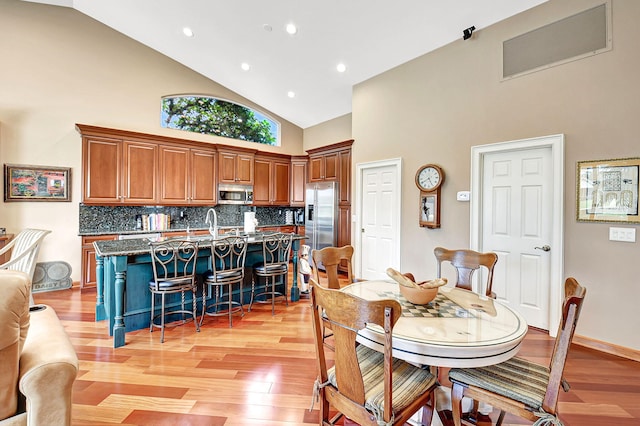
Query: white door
x=378 y=223
x=520 y=218
x=517 y=192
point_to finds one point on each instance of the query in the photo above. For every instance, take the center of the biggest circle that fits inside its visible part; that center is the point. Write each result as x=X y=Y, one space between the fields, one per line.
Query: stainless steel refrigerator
x=321 y=216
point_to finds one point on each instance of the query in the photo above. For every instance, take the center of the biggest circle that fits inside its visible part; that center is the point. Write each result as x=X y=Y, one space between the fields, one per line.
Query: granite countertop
x=136 y=246
x=156 y=231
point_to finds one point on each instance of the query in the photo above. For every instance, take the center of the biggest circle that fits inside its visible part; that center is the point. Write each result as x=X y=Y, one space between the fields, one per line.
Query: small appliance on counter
x=250 y=222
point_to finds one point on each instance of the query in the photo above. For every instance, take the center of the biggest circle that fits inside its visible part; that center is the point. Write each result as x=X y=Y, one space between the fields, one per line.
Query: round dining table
x=459 y=328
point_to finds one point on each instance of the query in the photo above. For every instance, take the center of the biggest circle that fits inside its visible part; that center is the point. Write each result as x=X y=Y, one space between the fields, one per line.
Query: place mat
x=440 y=307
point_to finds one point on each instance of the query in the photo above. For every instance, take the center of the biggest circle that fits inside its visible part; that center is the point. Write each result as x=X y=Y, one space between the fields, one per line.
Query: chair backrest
x=276 y=249
x=228 y=257
x=331 y=258
x=348 y=314
x=173 y=260
x=573 y=297
x=467 y=262
x=24 y=252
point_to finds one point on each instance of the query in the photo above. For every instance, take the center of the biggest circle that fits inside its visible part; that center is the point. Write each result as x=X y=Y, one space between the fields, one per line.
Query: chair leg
x=427 y=410
x=456 y=403
x=153 y=300
x=500 y=418
x=273 y=296
x=254 y=277
x=162 y=320
x=194 y=307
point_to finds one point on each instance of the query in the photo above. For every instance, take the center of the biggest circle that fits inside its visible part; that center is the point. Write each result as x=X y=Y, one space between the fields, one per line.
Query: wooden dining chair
x=330 y=258
x=519 y=386
x=368 y=387
x=467 y=262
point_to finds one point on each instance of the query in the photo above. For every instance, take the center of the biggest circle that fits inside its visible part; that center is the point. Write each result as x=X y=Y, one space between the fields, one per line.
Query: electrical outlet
x=627 y=235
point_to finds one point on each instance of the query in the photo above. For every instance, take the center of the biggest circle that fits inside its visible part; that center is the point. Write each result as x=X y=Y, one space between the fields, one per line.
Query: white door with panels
x=519 y=211
x=378 y=221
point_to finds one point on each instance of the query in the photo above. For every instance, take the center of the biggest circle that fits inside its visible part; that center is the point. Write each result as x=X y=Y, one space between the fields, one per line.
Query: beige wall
x=435 y=108
x=60 y=67
x=332 y=131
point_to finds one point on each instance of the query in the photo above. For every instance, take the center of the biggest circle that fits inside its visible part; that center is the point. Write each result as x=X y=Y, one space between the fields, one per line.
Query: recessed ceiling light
x=245 y=66
x=341 y=67
x=292 y=29
x=187 y=31
x=291 y=94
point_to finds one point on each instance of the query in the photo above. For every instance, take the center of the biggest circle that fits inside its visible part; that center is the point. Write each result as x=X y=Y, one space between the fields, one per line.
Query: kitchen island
x=123 y=271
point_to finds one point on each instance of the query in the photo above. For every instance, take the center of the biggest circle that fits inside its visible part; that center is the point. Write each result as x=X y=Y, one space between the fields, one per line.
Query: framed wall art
x=36 y=183
x=607 y=190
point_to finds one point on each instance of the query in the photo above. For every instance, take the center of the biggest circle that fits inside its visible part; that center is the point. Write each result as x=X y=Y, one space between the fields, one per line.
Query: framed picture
x=36 y=183
x=607 y=190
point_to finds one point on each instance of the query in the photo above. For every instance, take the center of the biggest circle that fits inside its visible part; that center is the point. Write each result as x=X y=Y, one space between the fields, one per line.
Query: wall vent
x=579 y=36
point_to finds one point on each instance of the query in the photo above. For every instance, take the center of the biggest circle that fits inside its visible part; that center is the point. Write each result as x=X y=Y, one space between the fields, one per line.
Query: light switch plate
x=627 y=235
x=463 y=196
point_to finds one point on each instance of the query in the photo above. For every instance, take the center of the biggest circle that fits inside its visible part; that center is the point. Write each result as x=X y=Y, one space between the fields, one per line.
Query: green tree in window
x=216 y=117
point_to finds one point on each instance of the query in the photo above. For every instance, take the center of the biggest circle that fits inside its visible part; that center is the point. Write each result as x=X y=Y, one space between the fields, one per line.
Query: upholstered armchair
x=38 y=364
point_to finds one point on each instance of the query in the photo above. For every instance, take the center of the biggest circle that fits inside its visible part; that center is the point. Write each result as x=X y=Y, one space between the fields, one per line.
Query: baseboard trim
x=609 y=348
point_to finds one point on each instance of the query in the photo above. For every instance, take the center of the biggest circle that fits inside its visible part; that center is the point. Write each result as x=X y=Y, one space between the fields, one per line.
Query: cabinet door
x=298 y=181
x=244 y=169
x=102 y=160
x=88 y=270
x=227 y=167
x=140 y=172
x=280 y=184
x=203 y=177
x=174 y=175
x=262 y=185
x=331 y=166
x=316 y=169
x=344 y=187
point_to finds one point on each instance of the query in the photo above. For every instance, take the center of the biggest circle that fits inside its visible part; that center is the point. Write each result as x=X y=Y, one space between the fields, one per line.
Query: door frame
x=556 y=272
x=360 y=169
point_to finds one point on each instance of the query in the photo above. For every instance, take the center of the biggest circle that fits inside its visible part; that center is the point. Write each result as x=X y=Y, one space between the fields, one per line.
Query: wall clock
x=429 y=179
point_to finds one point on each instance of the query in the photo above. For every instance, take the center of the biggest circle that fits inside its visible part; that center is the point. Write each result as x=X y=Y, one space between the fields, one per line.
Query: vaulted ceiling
x=295 y=75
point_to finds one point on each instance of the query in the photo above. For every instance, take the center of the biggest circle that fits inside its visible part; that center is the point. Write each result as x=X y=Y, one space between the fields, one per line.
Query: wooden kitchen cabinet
x=88 y=270
x=236 y=166
x=271 y=186
x=187 y=176
x=298 y=181
x=323 y=167
x=119 y=172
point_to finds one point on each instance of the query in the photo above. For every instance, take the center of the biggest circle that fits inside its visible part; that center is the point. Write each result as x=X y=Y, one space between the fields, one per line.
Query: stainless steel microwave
x=235 y=194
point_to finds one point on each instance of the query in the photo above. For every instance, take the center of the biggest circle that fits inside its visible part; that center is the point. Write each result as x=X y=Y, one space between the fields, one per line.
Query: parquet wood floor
x=261 y=372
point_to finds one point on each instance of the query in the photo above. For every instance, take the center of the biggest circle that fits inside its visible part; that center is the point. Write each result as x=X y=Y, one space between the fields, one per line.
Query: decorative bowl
x=418 y=295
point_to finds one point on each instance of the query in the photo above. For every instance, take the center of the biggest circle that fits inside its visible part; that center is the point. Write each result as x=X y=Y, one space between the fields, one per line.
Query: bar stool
x=276 y=249
x=227 y=268
x=174 y=271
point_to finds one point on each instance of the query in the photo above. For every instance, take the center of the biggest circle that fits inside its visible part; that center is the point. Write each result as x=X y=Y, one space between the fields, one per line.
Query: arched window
x=212 y=116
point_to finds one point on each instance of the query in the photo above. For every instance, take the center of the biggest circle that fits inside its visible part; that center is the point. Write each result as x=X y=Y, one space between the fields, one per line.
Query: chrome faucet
x=213 y=225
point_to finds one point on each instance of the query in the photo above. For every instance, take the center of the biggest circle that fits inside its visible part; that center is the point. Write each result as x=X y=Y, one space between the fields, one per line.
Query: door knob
x=362 y=230
x=543 y=248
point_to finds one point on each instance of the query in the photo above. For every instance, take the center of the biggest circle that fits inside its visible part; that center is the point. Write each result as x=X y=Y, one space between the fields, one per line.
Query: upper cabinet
x=117 y=171
x=236 y=166
x=271 y=187
x=333 y=163
x=187 y=176
x=298 y=181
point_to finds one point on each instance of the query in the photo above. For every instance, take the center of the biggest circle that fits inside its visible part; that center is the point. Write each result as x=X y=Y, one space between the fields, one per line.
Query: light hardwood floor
x=261 y=372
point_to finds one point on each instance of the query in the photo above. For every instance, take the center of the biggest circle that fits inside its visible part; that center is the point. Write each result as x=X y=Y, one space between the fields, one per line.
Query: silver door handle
x=543 y=248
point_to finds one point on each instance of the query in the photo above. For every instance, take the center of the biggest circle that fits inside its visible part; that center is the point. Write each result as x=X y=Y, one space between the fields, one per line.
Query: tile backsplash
x=122 y=219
